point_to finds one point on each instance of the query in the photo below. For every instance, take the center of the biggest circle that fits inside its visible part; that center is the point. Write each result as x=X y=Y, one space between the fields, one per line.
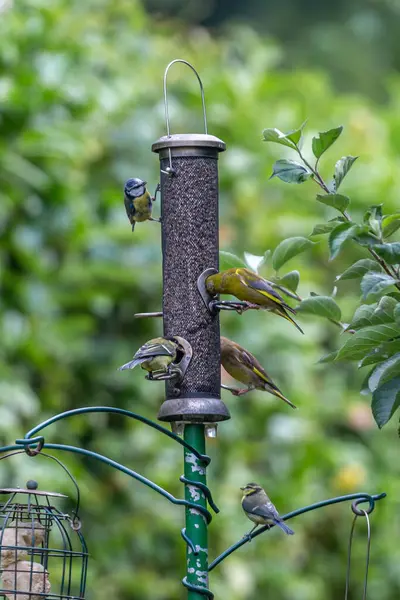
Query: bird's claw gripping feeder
x=212 y=303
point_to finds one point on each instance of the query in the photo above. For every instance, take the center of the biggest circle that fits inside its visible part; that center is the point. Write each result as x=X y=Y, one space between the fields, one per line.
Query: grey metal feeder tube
x=189 y=223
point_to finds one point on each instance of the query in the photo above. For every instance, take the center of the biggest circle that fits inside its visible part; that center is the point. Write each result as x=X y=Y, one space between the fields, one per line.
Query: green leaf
x=362 y=342
x=227 y=260
x=295 y=134
x=337 y=201
x=381 y=353
x=342 y=167
x=321 y=306
x=290 y=280
x=324 y=140
x=390 y=224
x=366 y=238
x=384 y=372
x=364 y=389
x=385 y=401
x=358 y=269
x=327 y=358
x=253 y=261
x=396 y=313
x=290 y=171
x=389 y=252
x=289 y=248
x=339 y=235
x=384 y=312
x=373 y=218
x=278 y=137
x=367 y=315
x=322 y=228
x=363 y=317
x=374 y=283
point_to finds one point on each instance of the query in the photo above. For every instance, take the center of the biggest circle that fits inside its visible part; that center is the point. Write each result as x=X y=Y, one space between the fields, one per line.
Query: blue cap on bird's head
x=135 y=186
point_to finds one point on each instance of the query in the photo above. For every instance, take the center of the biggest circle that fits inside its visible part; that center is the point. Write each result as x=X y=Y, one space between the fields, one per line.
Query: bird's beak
x=144 y=182
x=242 y=488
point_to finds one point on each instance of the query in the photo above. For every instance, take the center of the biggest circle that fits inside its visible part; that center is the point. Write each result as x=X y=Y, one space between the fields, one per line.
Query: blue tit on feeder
x=138 y=201
x=259 y=508
x=156 y=356
x=251 y=288
x=245 y=368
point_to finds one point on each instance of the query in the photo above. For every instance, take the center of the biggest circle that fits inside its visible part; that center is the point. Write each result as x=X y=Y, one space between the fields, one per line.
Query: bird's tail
x=283 y=526
x=133 y=225
x=279 y=394
x=132 y=364
x=283 y=313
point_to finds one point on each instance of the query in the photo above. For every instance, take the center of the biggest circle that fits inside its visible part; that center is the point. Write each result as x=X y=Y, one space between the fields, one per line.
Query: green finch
x=244 y=367
x=259 y=508
x=138 y=201
x=250 y=287
x=155 y=356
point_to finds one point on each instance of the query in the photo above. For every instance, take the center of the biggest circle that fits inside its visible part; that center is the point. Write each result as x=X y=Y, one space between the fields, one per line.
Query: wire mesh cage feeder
x=43 y=553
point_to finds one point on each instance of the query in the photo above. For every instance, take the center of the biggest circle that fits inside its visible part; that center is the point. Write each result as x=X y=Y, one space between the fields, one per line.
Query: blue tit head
x=251 y=488
x=135 y=187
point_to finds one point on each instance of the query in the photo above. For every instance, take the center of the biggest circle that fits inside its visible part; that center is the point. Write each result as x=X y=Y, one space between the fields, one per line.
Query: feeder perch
x=42 y=551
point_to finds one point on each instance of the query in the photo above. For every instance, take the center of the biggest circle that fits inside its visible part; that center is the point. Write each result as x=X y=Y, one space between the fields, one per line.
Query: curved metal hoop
x=180 y=60
x=359 y=497
x=358 y=512
x=75 y=522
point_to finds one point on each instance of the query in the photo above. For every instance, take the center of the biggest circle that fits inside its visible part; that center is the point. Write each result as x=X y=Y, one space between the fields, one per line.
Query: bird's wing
x=252 y=363
x=129 y=206
x=263 y=509
x=262 y=286
x=149 y=350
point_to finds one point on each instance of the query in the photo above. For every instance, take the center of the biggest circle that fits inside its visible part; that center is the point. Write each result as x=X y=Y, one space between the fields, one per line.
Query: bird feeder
x=189 y=224
x=42 y=551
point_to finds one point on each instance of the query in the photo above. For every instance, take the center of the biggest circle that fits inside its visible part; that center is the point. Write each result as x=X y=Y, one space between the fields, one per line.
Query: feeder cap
x=188 y=140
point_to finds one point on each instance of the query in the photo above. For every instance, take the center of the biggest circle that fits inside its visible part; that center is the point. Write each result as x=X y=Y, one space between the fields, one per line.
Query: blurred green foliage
x=80 y=105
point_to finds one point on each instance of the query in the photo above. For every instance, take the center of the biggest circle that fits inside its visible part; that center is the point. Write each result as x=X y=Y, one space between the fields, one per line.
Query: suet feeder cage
x=42 y=551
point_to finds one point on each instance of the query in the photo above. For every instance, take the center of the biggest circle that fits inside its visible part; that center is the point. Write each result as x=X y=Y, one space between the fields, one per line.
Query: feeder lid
x=185 y=140
x=31 y=488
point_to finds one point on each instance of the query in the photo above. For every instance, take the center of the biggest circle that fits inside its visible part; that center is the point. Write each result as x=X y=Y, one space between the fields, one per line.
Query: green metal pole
x=196 y=525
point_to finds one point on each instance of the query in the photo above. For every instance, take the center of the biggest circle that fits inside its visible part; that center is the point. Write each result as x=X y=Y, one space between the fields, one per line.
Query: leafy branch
x=376 y=326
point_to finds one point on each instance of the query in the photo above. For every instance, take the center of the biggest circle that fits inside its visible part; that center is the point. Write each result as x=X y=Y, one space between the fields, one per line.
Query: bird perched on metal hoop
x=251 y=288
x=138 y=201
x=244 y=367
x=259 y=508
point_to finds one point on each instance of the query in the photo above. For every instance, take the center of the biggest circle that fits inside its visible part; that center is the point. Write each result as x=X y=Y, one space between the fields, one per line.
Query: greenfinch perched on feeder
x=259 y=508
x=250 y=287
x=138 y=201
x=244 y=367
x=155 y=356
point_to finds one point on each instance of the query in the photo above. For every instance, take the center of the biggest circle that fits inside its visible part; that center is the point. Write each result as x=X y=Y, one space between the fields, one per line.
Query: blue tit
x=250 y=287
x=259 y=508
x=244 y=367
x=138 y=201
x=155 y=356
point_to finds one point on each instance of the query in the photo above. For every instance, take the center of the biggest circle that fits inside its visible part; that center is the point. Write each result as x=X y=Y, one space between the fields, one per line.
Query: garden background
x=80 y=105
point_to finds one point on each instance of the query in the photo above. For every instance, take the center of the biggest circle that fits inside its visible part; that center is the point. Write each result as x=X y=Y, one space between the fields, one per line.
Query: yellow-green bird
x=259 y=508
x=138 y=201
x=155 y=356
x=250 y=287
x=244 y=367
